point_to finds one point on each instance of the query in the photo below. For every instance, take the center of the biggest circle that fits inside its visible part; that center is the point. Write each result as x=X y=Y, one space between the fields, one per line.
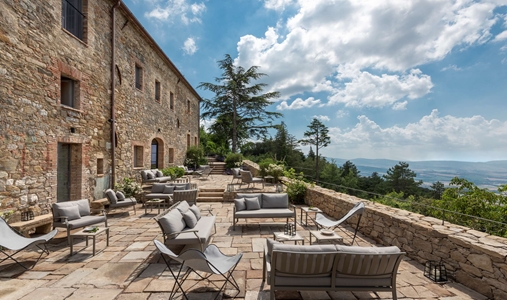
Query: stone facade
x=475 y=259
x=50 y=147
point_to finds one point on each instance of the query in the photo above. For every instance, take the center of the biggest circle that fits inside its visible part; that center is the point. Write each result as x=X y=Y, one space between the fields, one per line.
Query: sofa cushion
x=204 y=228
x=159 y=173
x=172 y=222
x=84 y=207
x=168 y=189
x=150 y=175
x=266 y=213
x=86 y=221
x=179 y=188
x=269 y=245
x=304 y=248
x=183 y=207
x=71 y=212
x=111 y=196
x=275 y=201
x=240 y=204
x=368 y=250
x=252 y=203
x=245 y=195
x=196 y=211
x=190 y=218
x=157 y=188
x=120 y=196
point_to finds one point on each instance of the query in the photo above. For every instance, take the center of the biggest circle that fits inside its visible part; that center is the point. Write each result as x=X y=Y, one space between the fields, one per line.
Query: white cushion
x=252 y=203
x=190 y=218
x=240 y=204
x=196 y=211
x=183 y=207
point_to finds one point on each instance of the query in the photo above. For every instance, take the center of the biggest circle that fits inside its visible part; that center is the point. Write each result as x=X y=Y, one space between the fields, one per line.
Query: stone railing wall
x=475 y=259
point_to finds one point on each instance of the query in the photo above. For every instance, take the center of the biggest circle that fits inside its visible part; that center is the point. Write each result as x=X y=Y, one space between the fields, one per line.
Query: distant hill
x=484 y=174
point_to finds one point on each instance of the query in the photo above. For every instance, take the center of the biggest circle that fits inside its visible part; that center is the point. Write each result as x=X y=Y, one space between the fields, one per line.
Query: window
x=171 y=100
x=195 y=140
x=177 y=123
x=100 y=166
x=188 y=105
x=138 y=156
x=157 y=90
x=73 y=17
x=188 y=141
x=69 y=92
x=154 y=154
x=139 y=77
x=171 y=155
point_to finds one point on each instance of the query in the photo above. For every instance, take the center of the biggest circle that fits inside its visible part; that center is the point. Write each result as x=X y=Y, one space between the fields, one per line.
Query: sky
x=409 y=80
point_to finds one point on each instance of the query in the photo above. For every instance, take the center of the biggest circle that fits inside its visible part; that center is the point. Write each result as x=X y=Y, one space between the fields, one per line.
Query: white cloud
x=432 y=137
x=170 y=10
x=322 y=118
x=400 y=105
x=189 y=46
x=298 y=104
x=381 y=40
x=451 y=67
x=342 y=113
x=278 y=5
x=501 y=37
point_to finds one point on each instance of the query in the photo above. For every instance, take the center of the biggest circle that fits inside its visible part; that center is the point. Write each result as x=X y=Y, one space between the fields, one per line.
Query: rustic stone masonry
x=472 y=258
x=50 y=147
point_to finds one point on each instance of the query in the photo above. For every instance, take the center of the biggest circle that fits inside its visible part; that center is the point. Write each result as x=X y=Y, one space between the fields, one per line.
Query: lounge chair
x=236 y=175
x=118 y=200
x=322 y=222
x=247 y=177
x=12 y=240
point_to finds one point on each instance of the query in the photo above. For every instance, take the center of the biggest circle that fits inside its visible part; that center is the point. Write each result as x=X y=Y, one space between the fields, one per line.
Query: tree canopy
x=239 y=105
x=317 y=135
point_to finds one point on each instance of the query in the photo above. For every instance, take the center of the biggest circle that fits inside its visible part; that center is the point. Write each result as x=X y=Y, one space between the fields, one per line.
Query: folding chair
x=12 y=240
x=211 y=261
x=322 y=222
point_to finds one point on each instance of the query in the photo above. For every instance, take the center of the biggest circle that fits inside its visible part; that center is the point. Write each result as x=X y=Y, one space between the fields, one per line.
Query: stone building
x=66 y=134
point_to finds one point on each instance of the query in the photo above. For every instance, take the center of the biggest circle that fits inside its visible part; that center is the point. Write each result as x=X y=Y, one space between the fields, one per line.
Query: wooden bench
x=41 y=224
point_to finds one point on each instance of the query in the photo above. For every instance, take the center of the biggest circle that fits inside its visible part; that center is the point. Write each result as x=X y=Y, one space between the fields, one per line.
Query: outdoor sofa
x=182 y=224
x=330 y=268
x=153 y=176
x=165 y=190
x=262 y=205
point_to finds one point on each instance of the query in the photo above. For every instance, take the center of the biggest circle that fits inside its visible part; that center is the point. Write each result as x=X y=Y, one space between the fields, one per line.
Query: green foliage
x=239 y=106
x=264 y=164
x=174 y=172
x=401 y=179
x=296 y=186
x=195 y=157
x=233 y=160
x=317 y=136
x=6 y=215
x=275 y=170
x=129 y=187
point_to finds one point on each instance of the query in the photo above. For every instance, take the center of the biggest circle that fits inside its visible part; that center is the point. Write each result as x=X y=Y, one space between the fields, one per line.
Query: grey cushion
x=244 y=195
x=240 y=204
x=120 y=196
x=158 y=188
x=190 y=218
x=252 y=203
x=266 y=213
x=183 y=207
x=179 y=188
x=168 y=189
x=86 y=221
x=204 y=229
x=304 y=248
x=368 y=250
x=269 y=245
x=159 y=173
x=157 y=196
x=275 y=201
x=150 y=175
x=125 y=203
x=71 y=212
x=196 y=211
x=172 y=222
x=84 y=207
x=111 y=196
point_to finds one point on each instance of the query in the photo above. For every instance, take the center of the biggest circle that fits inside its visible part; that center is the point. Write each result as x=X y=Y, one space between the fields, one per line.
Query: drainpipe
x=113 y=84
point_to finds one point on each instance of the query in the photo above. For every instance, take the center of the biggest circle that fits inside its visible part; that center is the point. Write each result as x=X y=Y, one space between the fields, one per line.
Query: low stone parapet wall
x=475 y=259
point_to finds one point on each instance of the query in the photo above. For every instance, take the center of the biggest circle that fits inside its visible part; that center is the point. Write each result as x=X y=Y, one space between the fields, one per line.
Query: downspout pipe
x=113 y=85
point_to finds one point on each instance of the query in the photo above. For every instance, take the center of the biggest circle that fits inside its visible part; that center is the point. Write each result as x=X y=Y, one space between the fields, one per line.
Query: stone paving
x=131 y=267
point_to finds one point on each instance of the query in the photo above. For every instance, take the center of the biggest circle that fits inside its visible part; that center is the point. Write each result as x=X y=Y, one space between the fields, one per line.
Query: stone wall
x=472 y=258
x=35 y=53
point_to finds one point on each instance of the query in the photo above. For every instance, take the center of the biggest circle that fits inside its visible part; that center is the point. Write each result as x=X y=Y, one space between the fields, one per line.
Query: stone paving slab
x=131 y=268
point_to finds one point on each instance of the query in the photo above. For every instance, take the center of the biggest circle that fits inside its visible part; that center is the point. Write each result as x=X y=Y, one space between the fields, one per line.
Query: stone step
x=210 y=199
x=211 y=194
x=211 y=190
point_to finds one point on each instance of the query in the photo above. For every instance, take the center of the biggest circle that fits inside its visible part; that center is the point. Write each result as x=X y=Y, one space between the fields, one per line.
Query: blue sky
x=405 y=80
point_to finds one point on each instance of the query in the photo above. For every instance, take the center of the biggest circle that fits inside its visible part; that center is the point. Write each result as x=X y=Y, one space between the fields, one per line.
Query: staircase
x=218 y=166
x=210 y=195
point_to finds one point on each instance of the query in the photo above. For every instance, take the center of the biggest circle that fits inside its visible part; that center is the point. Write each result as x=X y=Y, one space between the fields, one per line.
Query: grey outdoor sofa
x=268 y=205
x=153 y=176
x=330 y=268
x=165 y=190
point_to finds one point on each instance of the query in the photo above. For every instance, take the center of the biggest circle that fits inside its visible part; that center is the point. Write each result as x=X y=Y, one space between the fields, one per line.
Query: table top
x=280 y=236
x=307 y=209
x=82 y=232
x=317 y=234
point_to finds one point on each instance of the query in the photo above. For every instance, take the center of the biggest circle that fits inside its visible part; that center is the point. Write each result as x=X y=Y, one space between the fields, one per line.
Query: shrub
x=233 y=159
x=174 y=172
x=129 y=187
x=195 y=157
x=296 y=187
x=276 y=171
x=263 y=166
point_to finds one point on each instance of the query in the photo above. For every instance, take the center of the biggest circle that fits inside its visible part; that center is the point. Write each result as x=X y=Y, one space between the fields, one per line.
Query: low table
x=84 y=233
x=153 y=202
x=306 y=210
x=281 y=237
x=317 y=234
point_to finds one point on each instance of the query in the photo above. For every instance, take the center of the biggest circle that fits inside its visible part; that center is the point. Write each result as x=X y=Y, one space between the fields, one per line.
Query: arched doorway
x=154 y=154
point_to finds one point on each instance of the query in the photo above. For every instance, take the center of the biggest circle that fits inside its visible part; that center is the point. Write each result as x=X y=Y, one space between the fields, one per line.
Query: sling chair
x=322 y=222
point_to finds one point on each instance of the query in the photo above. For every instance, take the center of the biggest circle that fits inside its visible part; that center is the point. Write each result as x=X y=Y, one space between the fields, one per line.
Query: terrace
x=131 y=268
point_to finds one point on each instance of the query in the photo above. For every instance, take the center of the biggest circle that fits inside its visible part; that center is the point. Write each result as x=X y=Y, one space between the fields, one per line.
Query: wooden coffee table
x=281 y=237
x=153 y=202
x=319 y=236
x=86 y=234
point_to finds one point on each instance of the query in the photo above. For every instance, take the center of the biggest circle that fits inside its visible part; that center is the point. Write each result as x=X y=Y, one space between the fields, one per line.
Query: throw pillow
x=275 y=201
x=159 y=173
x=196 y=211
x=84 y=207
x=150 y=175
x=179 y=188
x=252 y=203
x=71 y=212
x=168 y=189
x=190 y=219
x=111 y=196
x=172 y=222
x=240 y=204
x=120 y=196
x=183 y=207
